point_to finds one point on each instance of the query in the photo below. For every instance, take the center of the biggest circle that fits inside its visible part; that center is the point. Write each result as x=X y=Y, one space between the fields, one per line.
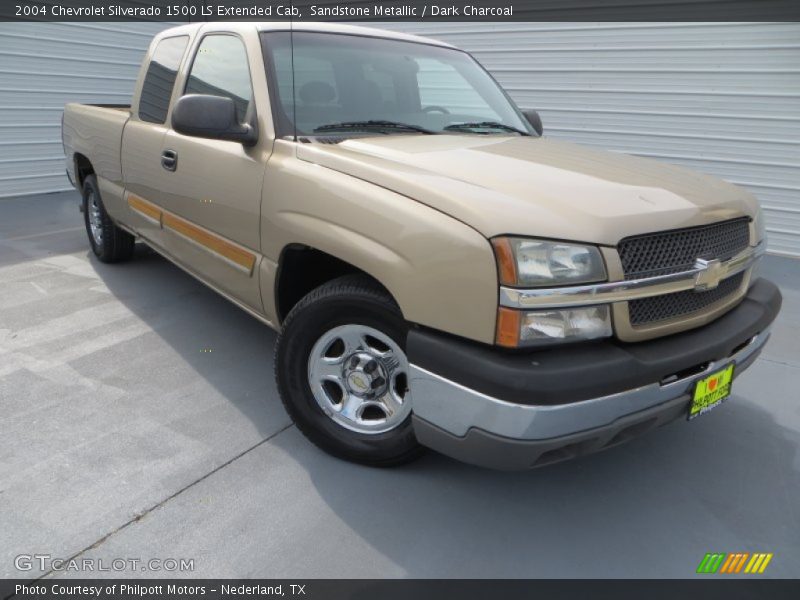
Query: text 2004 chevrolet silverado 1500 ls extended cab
x=441 y=274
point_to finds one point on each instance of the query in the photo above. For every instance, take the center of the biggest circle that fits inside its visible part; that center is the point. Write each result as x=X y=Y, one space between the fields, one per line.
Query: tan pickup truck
x=441 y=274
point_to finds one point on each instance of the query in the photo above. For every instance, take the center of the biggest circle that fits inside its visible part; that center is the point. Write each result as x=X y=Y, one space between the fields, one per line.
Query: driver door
x=211 y=189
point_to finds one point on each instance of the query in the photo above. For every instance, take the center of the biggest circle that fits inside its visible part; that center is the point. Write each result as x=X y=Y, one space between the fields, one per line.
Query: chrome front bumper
x=455 y=409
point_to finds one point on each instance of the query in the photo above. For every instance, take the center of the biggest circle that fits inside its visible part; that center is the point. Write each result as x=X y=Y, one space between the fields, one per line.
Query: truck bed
x=95 y=131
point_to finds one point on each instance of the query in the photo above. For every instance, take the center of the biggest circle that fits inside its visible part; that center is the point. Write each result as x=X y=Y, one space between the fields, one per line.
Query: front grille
x=677 y=250
x=678 y=304
x=667 y=252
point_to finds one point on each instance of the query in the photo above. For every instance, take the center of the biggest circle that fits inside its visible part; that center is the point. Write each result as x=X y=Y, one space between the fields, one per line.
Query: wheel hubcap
x=95 y=219
x=359 y=377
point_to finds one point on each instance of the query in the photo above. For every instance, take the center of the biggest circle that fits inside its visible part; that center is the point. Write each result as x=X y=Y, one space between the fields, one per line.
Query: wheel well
x=302 y=269
x=82 y=168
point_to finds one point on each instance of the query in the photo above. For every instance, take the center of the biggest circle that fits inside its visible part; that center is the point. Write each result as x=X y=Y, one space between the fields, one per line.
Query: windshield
x=333 y=83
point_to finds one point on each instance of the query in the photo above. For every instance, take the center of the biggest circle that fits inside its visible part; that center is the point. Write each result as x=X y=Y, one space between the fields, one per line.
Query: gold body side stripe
x=211 y=241
x=148 y=209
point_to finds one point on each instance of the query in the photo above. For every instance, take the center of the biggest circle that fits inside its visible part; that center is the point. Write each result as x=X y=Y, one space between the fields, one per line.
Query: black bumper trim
x=588 y=370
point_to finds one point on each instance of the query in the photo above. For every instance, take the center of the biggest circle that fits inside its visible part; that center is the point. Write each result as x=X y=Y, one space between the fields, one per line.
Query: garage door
x=723 y=98
x=42 y=67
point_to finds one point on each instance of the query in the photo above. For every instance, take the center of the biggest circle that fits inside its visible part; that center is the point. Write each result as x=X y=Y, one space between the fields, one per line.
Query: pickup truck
x=440 y=273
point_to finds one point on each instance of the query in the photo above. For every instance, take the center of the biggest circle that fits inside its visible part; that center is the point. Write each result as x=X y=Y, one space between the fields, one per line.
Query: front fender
x=440 y=271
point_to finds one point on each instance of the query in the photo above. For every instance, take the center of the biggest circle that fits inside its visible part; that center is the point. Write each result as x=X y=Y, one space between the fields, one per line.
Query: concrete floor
x=121 y=438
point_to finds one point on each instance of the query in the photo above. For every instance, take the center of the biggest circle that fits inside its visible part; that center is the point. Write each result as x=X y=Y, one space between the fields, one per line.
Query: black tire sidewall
x=304 y=327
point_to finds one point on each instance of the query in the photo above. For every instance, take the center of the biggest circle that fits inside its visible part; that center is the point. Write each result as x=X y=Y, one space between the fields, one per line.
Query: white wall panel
x=723 y=98
x=42 y=67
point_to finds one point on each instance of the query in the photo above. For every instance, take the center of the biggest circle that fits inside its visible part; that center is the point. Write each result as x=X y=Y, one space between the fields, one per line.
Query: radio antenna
x=291 y=52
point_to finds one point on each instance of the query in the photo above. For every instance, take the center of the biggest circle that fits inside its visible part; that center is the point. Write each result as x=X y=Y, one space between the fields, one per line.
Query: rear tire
x=345 y=342
x=109 y=243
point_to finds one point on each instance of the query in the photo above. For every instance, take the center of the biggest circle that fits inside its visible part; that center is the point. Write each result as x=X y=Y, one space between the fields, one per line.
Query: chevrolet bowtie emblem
x=709 y=275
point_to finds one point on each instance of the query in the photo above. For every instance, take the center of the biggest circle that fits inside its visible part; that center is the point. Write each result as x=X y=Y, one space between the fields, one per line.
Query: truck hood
x=535 y=186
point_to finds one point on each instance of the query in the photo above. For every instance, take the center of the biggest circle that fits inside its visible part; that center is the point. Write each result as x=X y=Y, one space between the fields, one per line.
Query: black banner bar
x=707 y=588
x=403 y=10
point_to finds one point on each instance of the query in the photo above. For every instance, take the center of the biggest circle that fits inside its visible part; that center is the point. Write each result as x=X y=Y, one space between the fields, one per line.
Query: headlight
x=516 y=328
x=536 y=263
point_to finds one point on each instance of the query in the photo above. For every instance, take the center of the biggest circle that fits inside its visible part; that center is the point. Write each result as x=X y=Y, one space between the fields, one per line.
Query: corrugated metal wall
x=723 y=98
x=42 y=67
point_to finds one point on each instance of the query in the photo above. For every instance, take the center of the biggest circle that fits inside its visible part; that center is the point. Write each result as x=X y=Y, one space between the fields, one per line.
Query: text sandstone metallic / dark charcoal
x=674 y=251
x=668 y=306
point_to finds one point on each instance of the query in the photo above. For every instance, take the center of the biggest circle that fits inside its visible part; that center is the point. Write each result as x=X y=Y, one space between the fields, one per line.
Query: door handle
x=169 y=160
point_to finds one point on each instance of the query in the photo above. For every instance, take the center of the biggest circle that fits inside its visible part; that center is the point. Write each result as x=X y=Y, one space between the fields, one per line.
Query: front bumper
x=514 y=411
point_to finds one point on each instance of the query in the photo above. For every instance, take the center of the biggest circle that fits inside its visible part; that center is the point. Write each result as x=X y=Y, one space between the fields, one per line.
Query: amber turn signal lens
x=506 y=263
x=508 y=322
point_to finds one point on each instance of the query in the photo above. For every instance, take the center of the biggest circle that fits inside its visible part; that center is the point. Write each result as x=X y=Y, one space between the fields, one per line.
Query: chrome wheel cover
x=95 y=218
x=359 y=377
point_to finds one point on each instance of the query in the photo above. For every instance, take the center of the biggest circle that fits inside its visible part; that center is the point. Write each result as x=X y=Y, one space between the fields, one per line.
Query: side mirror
x=214 y=117
x=534 y=119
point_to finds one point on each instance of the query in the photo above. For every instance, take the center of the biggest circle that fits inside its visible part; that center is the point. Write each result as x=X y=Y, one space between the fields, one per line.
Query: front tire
x=109 y=243
x=342 y=373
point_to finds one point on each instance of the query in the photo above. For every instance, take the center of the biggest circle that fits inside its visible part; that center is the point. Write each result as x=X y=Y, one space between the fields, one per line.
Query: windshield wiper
x=371 y=125
x=484 y=125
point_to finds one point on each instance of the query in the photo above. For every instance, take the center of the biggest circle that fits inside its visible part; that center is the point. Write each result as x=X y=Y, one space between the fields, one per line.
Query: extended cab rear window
x=160 y=79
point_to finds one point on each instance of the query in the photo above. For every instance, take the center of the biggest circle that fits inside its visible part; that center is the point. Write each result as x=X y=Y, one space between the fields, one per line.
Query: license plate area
x=710 y=391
